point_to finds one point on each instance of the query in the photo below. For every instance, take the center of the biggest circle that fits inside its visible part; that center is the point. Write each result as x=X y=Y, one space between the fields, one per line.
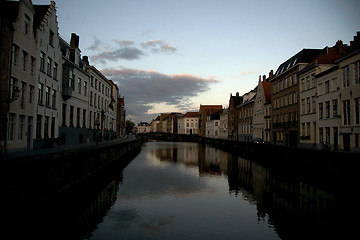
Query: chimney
x=339 y=47
x=237 y=94
x=271 y=74
x=85 y=59
x=264 y=78
x=74 y=42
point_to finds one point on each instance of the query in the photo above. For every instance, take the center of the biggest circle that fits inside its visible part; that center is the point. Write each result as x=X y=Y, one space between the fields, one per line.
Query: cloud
x=124 y=52
x=143 y=89
x=127 y=50
x=158 y=46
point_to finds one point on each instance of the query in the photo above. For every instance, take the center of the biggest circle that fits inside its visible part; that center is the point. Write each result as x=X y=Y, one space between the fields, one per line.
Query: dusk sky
x=173 y=55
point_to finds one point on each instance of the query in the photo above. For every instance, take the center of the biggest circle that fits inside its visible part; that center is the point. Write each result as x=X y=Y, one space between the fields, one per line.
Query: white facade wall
x=223 y=130
x=212 y=128
x=48 y=78
x=328 y=123
x=349 y=68
x=20 y=129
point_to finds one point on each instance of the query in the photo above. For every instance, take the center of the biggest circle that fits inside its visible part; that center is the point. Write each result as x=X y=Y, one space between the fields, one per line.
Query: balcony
x=67 y=92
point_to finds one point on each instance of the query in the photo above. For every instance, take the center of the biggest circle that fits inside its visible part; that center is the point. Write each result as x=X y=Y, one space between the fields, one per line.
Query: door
x=336 y=138
x=346 y=142
x=29 y=134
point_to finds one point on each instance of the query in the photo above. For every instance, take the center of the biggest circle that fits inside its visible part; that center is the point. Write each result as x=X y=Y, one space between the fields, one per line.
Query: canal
x=181 y=190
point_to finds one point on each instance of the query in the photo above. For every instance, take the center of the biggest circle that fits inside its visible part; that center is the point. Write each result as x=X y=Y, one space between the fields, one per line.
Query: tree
x=129 y=126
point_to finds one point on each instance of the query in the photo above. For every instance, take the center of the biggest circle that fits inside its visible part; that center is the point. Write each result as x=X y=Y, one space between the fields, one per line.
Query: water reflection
x=193 y=191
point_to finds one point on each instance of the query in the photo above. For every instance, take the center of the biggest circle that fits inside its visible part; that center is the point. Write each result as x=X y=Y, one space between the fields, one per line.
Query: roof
x=191 y=115
x=41 y=13
x=236 y=100
x=267 y=91
x=304 y=56
x=205 y=107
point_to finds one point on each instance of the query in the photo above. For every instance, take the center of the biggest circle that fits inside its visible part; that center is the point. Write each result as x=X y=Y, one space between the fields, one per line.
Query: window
x=63 y=120
x=308 y=129
x=48 y=69
x=308 y=82
x=94 y=99
x=91 y=98
x=313 y=99
x=27 y=24
x=327 y=135
x=21 y=127
x=46 y=127
x=51 y=38
x=79 y=85
x=85 y=88
x=31 y=94
x=11 y=126
x=38 y=126
x=303 y=106
x=47 y=96
x=321 y=135
x=313 y=80
x=55 y=70
x=71 y=116
x=320 y=110
x=303 y=84
x=327 y=109
x=42 y=61
x=78 y=117
x=84 y=118
x=40 y=93
x=32 y=65
x=53 y=99
x=14 y=54
x=357 y=110
x=24 y=59
x=335 y=107
x=357 y=72
x=327 y=86
x=346 y=109
x=22 y=97
x=308 y=105
x=346 y=76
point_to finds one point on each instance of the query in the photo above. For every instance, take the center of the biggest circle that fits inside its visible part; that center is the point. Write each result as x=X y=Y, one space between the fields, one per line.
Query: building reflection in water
x=297 y=209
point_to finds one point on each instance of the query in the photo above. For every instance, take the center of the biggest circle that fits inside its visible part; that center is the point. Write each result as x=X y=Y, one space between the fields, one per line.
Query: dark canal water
x=195 y=191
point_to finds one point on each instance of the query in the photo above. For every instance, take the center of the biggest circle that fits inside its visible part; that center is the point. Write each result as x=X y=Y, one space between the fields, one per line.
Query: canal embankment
x=33 y=178
x=297 y=159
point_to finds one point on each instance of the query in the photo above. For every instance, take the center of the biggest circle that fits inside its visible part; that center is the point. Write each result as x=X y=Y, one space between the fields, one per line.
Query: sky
x=173 y=55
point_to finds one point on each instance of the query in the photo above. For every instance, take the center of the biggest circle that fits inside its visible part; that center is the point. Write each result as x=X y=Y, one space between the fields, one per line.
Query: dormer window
x=51 y=38
x=27 y=25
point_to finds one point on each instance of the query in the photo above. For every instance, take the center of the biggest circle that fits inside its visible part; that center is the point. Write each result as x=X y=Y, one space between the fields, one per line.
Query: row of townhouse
x=49 y=94
x=312 y=100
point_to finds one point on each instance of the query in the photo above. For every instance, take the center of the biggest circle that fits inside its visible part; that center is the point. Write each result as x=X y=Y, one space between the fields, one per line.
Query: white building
x=262 y=98
x=328 y=109
x=48 y=77
x=189 y=123
x=224 y=121
x=349 y=97
x=75 y=94
x=101 y=100
x=22 y=82
x=213 y=126
x=143 y=127
x=322 y=94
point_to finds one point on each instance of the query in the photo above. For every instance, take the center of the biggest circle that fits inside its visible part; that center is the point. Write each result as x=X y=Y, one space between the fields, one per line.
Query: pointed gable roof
x=267 y=91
